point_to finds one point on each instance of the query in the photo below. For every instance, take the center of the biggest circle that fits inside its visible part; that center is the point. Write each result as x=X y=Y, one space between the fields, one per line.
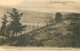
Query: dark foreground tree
x=76 y=29
x=15 y=27
x=3 y=27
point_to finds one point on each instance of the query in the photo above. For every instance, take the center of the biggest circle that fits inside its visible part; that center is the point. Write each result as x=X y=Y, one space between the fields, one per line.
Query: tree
x=75 y=27
x=58 y=17
x=15 y=27
x=3 y=27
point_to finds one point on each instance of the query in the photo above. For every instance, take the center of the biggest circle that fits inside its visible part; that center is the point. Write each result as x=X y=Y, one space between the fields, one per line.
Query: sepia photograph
x=39 y=25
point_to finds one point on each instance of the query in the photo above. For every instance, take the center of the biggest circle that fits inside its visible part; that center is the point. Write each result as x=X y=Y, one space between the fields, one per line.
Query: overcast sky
x=43 y=5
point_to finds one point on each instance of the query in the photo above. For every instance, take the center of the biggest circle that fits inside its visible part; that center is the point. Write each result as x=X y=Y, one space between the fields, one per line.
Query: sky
x=44 y=5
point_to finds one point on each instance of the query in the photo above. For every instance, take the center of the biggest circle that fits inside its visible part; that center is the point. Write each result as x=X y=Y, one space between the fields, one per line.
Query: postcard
x=39 y=25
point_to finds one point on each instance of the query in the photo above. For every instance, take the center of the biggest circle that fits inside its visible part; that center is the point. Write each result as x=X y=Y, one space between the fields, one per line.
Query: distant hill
x=33 y=16
x=29 y=16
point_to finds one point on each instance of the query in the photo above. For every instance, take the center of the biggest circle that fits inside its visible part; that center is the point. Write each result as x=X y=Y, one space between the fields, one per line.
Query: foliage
x=15 y=26
x=3 y=27
x=58 y=17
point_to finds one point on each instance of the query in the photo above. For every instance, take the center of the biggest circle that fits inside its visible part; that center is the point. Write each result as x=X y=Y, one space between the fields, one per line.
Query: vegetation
x=58 y=17
x=57 y=34
x=3 y=31
x=9 y=31
x=15 y=27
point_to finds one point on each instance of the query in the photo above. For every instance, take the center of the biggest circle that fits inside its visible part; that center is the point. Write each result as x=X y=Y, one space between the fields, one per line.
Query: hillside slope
x=56 y=34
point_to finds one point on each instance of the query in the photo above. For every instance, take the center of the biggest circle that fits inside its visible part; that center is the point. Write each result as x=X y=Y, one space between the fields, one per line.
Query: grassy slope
x=56 y=34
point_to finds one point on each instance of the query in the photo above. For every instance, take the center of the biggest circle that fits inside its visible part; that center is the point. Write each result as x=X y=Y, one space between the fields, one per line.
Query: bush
x=2 y=41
